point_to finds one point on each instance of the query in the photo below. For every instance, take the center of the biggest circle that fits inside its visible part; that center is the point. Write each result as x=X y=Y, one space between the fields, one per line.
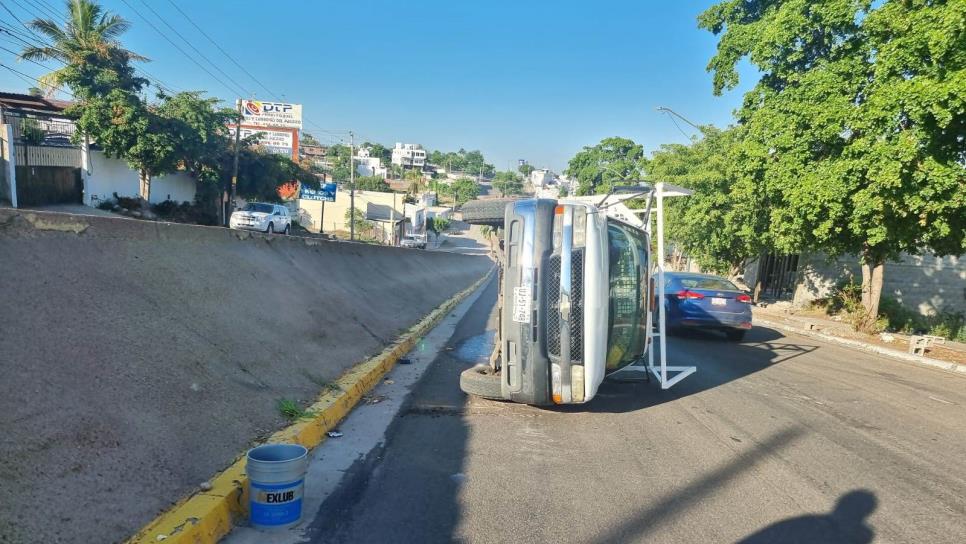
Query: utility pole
x=392 y=220
x=234 y=173
x=352 y=189
x=669 y=111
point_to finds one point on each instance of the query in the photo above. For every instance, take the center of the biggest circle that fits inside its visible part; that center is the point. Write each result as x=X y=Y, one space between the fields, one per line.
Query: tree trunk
x=144 y=190
x=873 y=270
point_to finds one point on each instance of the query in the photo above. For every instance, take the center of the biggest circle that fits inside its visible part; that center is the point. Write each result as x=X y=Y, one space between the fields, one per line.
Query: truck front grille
x=552 y=286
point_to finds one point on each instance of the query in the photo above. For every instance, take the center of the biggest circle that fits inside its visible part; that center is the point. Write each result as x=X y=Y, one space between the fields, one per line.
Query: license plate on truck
x=522 y=299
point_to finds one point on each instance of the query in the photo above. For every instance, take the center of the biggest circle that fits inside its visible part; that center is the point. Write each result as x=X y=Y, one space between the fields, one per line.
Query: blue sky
x=515 y=79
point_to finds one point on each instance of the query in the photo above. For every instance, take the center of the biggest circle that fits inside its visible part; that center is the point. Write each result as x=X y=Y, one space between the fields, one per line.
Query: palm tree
x=415 y=178
x=90 y=34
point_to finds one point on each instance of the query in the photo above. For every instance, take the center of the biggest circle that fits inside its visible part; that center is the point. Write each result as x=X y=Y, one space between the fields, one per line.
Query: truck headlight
x=577 y=382
x=580 y=226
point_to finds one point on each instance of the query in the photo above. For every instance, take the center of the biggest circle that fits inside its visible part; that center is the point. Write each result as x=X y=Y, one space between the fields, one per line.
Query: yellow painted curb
x=207 y=516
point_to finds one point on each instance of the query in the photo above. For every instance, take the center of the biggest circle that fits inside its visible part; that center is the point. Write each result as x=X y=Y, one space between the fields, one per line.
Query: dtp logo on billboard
x=271 y=114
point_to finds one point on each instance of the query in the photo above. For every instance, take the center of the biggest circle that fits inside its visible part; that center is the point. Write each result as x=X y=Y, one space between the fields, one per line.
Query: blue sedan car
x=707 y=302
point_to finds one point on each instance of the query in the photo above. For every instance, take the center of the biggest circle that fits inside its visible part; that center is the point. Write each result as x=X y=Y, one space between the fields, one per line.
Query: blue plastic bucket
x=276 y=478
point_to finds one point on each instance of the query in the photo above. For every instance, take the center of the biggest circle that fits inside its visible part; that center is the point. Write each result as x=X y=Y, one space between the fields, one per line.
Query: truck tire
x=485 y=212
x=480 y=381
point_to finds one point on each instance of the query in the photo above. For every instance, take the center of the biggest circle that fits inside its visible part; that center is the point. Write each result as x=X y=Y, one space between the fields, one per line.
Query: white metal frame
x=655 y=199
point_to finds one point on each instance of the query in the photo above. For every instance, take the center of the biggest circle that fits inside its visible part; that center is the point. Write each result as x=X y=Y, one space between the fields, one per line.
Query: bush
x=950 y=325
x=900 y=318
x=438 y=224
x=846 y=300
x=184 y=212
x=106 y=205
x=127 y=202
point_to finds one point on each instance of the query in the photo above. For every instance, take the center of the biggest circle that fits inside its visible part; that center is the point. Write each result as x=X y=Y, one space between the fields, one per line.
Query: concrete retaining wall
x=139 y=358
x=924 y=283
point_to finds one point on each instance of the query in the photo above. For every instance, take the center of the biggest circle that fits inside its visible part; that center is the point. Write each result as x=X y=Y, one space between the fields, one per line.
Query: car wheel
x=735 y=336
x=480 y=381
x=270 y=229
x=287 y=229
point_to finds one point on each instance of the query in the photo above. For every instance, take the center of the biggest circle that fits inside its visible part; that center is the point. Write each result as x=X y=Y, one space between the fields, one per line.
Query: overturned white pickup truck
x=575 y=297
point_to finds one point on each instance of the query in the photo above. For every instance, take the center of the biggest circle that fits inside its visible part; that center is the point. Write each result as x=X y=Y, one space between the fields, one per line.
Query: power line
x=42 y=7
x=228 y=55
x=202 y=55
x=42 y=65
x=25 y=39
x=686 y=135
x=176 y=46
x=23 y=75
x=14 y=15
x=232 y=59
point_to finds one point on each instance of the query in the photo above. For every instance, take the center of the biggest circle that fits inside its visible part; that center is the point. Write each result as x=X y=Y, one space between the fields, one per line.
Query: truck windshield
x=626 y=336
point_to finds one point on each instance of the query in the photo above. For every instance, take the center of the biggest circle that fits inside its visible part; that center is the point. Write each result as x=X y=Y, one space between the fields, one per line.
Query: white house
x=367 y=165
x=541 y=177
x=55 y=170
x=409 y=155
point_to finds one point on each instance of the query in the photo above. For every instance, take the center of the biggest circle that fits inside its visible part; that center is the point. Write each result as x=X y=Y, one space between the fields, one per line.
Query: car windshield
x=259 y=207
x=628 y=286
x=711 y=284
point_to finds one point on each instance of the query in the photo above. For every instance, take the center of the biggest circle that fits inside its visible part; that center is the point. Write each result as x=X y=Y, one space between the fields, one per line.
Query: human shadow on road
x=845 y=524
x=718 y=362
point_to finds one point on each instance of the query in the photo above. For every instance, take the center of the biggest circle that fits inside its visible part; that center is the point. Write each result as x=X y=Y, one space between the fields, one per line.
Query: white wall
x=108 y=176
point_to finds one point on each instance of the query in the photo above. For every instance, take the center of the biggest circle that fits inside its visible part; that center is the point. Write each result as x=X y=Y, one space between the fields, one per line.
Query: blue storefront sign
x=326 y=193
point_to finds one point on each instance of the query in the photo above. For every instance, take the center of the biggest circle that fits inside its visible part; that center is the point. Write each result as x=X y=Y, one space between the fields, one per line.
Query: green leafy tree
x=363 y=227
x=261 y=174
x=199 y=130
x=461 y=190
x=416 y=181
x=338 y=158
x=855 y=128
x=508 y=183
x=125 y=127
x=372 y=183
x=437 y=225
x=526 y=169
x=614 y=161
x=380 y=151
x=307 y=139
x=98 y=70
x=469 y=162
x=720 y=225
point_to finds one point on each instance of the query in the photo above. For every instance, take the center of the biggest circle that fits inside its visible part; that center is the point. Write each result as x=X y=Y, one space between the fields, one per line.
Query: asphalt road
x=778 y=439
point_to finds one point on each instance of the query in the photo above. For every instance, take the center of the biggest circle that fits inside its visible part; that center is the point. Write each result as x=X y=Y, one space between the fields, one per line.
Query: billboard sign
x=274 y=141
x=271 y=114
x=326 y=193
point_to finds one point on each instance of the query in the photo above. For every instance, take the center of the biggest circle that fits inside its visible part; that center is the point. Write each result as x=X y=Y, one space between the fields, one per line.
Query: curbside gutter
x=208 y=515
x=864 y=346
